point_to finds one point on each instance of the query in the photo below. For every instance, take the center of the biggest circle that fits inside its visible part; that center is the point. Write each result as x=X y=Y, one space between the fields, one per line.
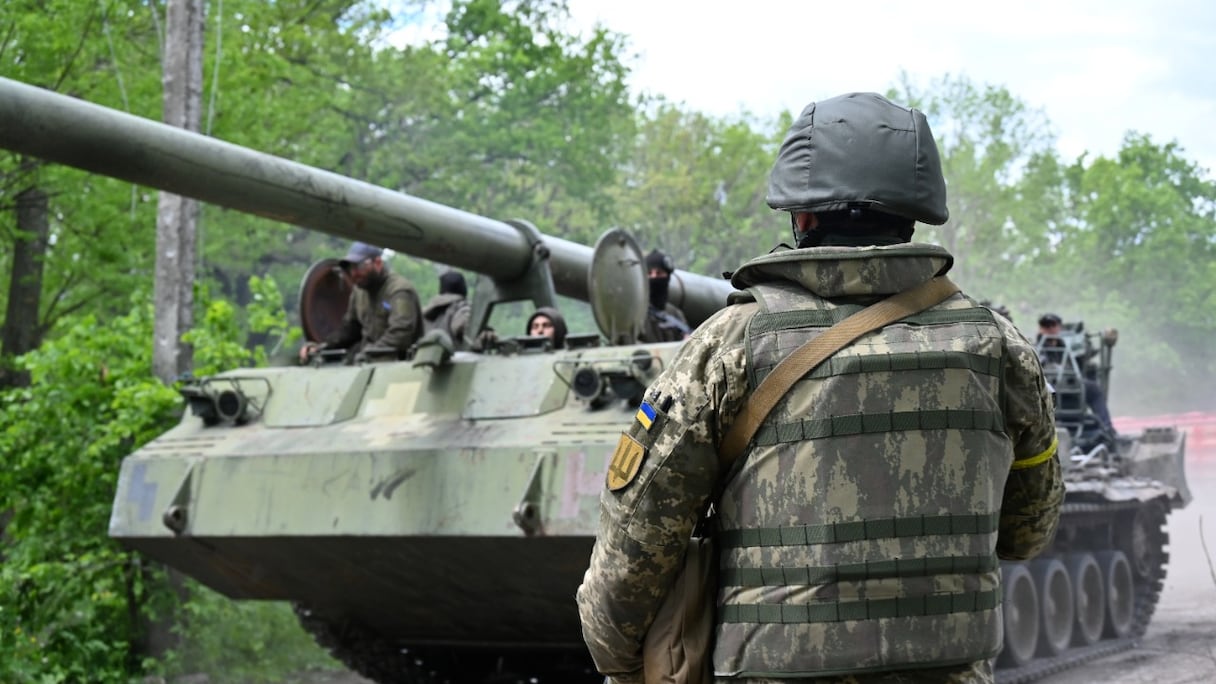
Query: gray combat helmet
x=860 y=150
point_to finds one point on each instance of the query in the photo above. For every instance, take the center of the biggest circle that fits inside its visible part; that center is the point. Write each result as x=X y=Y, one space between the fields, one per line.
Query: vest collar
x=848 y=271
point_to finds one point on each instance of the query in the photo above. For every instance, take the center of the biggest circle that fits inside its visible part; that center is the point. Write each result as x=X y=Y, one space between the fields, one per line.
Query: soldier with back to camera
x=383 y=317
x=860 y=529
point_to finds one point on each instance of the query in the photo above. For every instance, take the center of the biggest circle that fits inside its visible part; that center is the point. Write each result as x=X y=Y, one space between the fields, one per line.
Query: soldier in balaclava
x=449 y=310
x=664 y=320
x=860 y=531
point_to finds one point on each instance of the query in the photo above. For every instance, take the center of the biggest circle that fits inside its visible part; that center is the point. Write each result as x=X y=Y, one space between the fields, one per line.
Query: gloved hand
x=486 y=339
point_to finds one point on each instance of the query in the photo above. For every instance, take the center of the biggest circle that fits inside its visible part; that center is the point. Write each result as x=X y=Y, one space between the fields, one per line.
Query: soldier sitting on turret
x=449 y=310
x=383 y=317
x=664 y=321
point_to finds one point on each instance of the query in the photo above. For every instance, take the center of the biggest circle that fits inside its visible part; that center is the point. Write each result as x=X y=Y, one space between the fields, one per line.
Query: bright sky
x=1097 y=68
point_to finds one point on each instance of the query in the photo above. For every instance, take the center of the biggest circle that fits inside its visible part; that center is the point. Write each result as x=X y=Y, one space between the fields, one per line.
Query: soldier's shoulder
x=395 y=282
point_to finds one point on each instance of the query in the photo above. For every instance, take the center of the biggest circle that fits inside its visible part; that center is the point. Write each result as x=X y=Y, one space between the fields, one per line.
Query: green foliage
x=1142 y=240
x=987 y=138
x=72 y=603
x=220 y=341
x=241 y=641
x=66 y=600
x=101 y=231
x=695 y=187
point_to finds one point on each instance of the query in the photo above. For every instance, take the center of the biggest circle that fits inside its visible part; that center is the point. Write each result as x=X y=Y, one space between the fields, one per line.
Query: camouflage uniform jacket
x=385 y=317
x=644 y=525
x=448 y=312
x=668 y=325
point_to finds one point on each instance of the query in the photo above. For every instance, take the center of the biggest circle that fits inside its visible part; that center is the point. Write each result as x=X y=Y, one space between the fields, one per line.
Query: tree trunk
x=177 y=217
x=176 y=221
x=21 y=329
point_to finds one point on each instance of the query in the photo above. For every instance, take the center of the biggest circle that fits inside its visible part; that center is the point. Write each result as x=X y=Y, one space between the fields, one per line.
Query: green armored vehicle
x=1094 y=591
x=431 y=519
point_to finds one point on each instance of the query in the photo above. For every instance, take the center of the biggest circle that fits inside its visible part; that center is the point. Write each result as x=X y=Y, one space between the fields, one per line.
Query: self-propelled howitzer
x=430 y=518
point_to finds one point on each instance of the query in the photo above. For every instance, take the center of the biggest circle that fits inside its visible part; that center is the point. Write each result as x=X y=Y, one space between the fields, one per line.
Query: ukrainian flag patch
x=646 y=414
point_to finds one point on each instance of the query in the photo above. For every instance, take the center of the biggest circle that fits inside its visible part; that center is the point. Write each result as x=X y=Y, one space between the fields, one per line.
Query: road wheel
x=1020 y=606
x=1057 y=605
x=1120 y=593
x=1090 y=593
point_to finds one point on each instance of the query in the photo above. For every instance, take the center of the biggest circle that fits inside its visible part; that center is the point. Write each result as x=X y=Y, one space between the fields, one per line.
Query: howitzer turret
x=430 y=519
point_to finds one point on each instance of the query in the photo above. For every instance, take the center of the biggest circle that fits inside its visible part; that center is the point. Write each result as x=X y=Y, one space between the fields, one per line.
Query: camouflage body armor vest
x=859 y=531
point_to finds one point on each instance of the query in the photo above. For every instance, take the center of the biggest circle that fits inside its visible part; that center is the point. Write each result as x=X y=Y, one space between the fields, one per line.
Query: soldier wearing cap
x=664 y=320
x=383 y=318
x=1052 y=353
x=859 y=533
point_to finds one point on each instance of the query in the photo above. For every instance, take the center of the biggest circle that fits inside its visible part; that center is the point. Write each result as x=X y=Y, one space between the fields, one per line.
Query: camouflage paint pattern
x=388 y=318
x=643 y=526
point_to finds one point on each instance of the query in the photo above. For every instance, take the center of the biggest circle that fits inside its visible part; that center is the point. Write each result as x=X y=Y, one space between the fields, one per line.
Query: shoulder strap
x=804 y=359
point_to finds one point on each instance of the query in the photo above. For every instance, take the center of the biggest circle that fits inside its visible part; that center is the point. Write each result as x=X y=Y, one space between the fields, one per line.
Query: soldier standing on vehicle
x=1051 y=352
x=383 y=317
x=859 y=531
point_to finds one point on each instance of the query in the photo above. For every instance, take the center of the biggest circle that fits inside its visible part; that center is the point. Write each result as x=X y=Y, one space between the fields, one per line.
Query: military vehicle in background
x=431 y=519
x=1094 y=591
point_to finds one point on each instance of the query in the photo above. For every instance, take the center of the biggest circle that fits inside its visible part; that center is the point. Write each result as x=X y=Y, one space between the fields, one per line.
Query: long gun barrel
x=66 y=130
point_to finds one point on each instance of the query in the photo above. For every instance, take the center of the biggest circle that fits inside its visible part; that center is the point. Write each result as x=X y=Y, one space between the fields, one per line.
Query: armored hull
x=438 y=515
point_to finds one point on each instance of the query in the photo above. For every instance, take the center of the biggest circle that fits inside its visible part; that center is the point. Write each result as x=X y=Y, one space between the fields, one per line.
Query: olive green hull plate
x=454 y=505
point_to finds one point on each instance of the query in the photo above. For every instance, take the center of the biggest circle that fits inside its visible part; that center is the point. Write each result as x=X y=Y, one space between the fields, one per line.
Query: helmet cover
x=860 y=150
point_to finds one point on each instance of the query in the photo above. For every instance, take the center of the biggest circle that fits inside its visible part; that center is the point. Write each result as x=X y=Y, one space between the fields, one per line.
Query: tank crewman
x=449 y=310
x=885 y=477
x=383 y=318
x=547 y=322
x=1051 y=351
x=664 y=320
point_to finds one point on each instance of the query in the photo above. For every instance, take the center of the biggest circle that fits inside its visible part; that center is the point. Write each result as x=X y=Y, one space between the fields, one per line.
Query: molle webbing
x=902 y=361
x=861 y=530
x=858 y=572
x=863 y=609
x=821 y=318
x=874 y=423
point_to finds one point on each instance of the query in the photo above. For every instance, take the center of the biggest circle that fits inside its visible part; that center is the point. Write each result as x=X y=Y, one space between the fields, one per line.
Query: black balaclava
x=658 y=286
x=854 y=227
x=452 y=282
